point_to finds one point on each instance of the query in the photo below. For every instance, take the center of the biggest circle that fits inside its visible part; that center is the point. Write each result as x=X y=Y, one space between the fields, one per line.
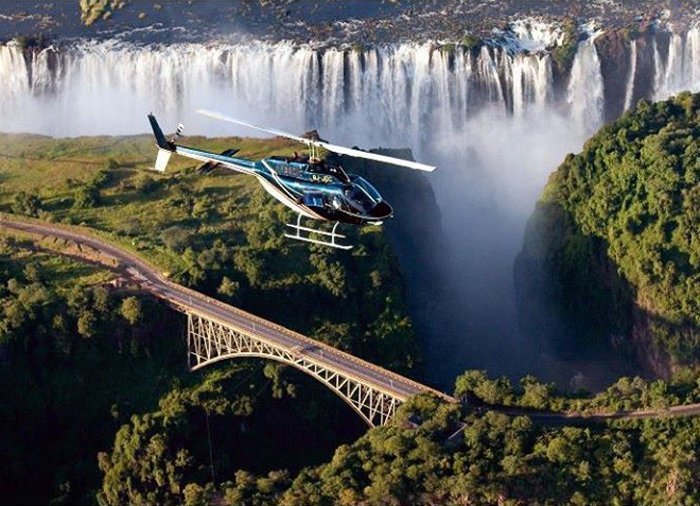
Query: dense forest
x=81 y=358
x=433 y=454
x=439 y=453
x=95 y=392
x=612 y=252
x=97 y=405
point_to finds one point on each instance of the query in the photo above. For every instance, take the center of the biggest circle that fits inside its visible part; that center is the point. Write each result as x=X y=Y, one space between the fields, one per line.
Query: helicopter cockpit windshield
x=367 y=188
x=362 y=195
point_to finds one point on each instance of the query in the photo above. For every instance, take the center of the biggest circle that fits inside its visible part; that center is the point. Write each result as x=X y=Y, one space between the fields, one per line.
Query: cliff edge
x=612 y=251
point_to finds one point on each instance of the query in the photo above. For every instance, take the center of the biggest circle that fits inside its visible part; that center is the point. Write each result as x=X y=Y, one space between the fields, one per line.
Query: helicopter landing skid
x=309 y=232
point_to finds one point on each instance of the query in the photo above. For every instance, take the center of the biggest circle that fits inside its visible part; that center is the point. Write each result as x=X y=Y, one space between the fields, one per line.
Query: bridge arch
x=209 y=341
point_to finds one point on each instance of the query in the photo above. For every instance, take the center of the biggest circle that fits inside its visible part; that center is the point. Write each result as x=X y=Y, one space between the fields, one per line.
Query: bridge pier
x=210 y=341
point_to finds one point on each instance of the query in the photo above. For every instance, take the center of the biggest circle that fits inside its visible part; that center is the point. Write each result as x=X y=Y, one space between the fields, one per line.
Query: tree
x=25 y=203
x=100 y=299
x=32 y=272
x=176 y=238
x=131 y=310
x=87 y=324
x=228 y=287
x=87 y=196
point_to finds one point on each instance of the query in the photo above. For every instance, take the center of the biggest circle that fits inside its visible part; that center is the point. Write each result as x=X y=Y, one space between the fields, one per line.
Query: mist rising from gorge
x=496 y=121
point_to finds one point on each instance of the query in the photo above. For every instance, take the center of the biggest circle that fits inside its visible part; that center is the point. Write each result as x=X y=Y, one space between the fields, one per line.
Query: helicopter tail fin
x=160 y=137
x=162 y=160
x=165 y=147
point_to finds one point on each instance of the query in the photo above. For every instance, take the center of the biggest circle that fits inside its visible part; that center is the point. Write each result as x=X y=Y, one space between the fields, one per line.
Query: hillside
x=97 y=406
x=612 y=252
x=75 y=365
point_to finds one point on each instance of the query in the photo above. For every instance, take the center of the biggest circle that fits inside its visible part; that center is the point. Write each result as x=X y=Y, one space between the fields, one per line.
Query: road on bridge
x=194 y=302
x=372 y=375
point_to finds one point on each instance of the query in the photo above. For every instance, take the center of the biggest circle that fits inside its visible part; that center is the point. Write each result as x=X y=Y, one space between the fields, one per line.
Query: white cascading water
x=585 y=92
x=491 y=119
x=398 y=92
x=629 y=89
x=681 y=70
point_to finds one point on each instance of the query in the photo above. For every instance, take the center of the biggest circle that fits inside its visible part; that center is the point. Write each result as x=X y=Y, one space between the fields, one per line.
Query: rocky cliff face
x=572 y=297
x=610 y=255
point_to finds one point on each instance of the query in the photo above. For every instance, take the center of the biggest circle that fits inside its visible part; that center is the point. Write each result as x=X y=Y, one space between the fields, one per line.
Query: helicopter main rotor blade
x=330 y=147
x=376 y=157
x=274 y=131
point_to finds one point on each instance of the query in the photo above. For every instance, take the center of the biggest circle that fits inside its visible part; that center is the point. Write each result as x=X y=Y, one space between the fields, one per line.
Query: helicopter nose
x=381 y=211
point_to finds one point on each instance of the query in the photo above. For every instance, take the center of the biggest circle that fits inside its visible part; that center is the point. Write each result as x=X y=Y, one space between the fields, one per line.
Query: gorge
x=496 y=115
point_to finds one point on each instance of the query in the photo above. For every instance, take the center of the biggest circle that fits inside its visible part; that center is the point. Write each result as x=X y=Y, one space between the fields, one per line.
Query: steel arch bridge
x=219 y=331
x=210 y=341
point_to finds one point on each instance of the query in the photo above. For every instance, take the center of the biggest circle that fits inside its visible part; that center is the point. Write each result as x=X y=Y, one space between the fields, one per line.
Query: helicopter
x=314 y=188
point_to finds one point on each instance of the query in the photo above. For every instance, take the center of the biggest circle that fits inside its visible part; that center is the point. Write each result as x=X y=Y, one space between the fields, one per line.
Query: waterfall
x=682 y=69
x=406 y=93
x=14 y=74
x=629 y=90
x=530 y=80
x=397 y=93
x=585 y=90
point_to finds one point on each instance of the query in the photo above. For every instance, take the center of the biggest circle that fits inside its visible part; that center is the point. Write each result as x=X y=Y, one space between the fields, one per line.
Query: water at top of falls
x=531 y=35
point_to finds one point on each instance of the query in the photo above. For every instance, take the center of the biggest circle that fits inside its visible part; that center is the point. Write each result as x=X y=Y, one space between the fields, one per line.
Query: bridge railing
x=80 y=233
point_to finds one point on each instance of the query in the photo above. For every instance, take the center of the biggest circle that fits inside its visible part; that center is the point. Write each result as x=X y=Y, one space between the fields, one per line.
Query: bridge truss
x=210 y=341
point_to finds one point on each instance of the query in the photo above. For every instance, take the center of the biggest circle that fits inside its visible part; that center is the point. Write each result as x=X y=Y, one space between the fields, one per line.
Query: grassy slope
x=54 y=169
x=228 y=226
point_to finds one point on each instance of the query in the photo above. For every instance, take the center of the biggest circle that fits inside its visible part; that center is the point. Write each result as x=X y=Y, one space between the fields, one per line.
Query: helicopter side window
x=318 y=167
x=338 y=172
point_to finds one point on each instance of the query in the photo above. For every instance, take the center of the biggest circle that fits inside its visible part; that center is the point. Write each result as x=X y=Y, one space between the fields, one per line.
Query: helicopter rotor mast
x=313 y=144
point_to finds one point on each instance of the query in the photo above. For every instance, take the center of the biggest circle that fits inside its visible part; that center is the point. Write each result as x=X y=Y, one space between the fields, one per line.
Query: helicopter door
x=313 y=199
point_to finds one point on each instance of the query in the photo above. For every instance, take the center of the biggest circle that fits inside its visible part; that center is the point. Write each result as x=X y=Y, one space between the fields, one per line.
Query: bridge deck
x=193 y=302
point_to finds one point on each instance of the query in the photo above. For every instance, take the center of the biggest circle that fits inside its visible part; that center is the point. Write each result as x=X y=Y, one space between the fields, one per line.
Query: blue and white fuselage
x=314 y=189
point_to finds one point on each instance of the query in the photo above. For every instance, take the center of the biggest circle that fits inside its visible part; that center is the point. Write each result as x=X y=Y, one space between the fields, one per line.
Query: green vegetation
x=77 y=376
x=436 y=453
x=614 y=244
x=497 y=459
x=95 y=404
x=220 y=234
x=470 y=41
x=93 y=10
x=563 y=54
x=69 y=365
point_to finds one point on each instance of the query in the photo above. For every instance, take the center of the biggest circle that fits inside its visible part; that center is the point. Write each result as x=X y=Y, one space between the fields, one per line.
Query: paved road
x=344 y=363
x=153 y=281
x=580 y=418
